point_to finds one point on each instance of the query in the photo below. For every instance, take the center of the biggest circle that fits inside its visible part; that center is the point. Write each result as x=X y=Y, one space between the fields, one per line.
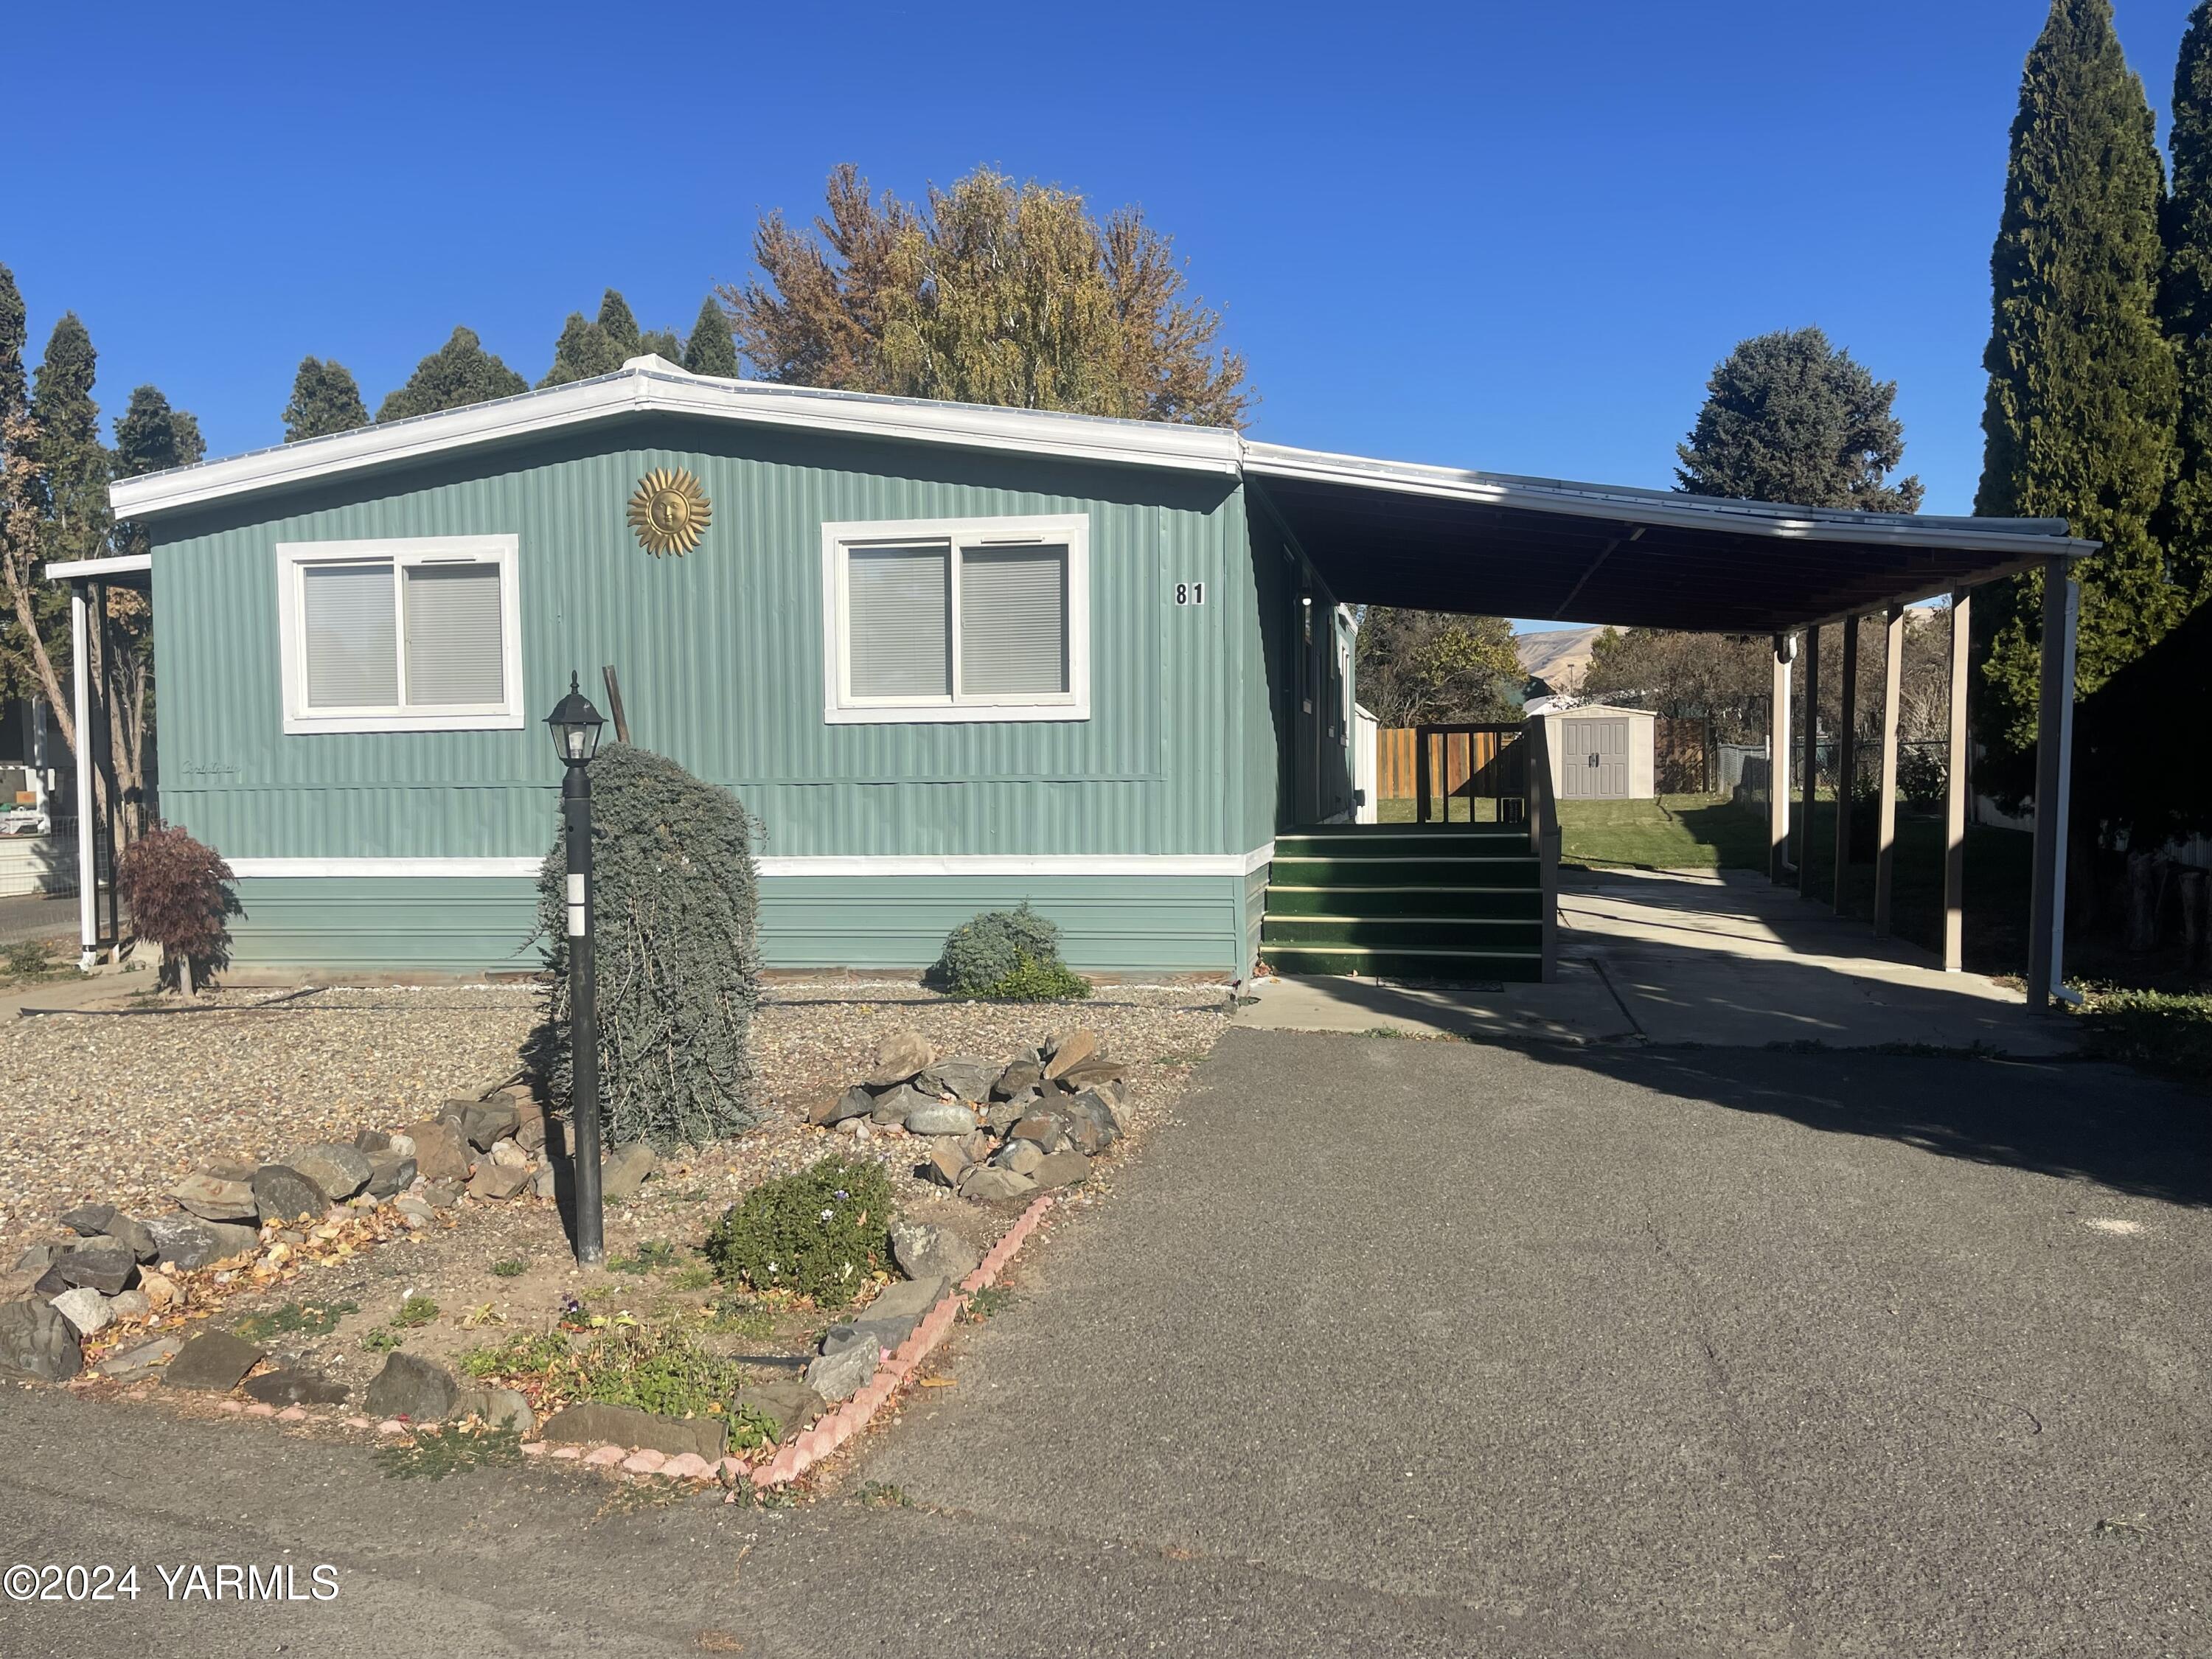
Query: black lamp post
x=575 y=727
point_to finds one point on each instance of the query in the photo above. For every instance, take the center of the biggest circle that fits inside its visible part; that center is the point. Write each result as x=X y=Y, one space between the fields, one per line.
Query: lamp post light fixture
x=575 y=727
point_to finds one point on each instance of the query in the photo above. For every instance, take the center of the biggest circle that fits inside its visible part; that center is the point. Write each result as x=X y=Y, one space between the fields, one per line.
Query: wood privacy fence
x=1479 y=763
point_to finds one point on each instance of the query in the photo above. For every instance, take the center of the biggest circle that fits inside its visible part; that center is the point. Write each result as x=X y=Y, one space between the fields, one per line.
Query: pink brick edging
x=835 y=1429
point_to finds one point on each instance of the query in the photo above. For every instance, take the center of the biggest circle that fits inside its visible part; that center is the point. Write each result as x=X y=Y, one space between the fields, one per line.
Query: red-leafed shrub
x=180 y=896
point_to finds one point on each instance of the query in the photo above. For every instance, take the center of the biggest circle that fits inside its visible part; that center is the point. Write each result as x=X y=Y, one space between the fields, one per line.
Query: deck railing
x=1473 y=761
x=1543 y=836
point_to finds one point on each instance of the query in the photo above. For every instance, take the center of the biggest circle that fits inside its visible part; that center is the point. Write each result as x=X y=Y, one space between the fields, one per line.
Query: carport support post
x=1812 y=760
x=1778 y=760
x=2054 y=772
x=1847 y=758
x=88 y=862
x=1885 y=843
x=1955 y=791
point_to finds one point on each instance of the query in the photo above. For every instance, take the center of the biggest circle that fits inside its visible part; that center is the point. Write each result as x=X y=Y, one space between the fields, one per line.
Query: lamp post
x=575 y=727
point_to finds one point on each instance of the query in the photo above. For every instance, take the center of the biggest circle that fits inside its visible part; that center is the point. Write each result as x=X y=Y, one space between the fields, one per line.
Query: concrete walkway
x=1721 y=959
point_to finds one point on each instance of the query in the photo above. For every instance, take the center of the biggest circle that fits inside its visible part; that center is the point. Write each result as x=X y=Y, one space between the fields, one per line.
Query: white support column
x=1885 y=842
x=2054 y=778
x=1777 y=759
x=1847 y=758
x=88 y=865
x=1811 y=653
x=1955 y=790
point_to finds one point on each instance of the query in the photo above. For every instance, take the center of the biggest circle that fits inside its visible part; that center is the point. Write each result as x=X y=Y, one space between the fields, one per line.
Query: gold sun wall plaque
x=670 y=511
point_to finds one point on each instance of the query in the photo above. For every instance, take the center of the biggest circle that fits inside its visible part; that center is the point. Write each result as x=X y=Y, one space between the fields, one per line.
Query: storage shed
x=1599 y=752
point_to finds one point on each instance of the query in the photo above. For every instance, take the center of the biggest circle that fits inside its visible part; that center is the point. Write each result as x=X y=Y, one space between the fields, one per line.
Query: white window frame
x=841 y=708
x=400 y=552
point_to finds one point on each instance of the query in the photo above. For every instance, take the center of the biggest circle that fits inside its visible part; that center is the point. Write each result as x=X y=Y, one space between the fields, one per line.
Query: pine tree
x=582 y=352
x=2083 y=390
x=326 y=399
x=665 y=344
x=2185 y=304
x=35 y=643
x=1787 y=417
x=616 y=323
x=711 y=349
x=152 y=437
x=459 y=373
x=70 y=456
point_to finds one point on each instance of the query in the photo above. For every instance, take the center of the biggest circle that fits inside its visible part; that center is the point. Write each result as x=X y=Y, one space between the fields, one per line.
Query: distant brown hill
x=1558 y=656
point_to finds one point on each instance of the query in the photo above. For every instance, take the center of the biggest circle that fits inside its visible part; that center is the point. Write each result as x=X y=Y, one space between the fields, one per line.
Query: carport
x=1440 y=538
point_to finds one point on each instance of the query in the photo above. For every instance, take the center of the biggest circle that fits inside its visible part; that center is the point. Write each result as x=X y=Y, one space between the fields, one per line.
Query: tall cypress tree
x=712 y=349
x=617 y=323
x=2185 y=301
x=70 y=456
x=152 y=436
x=458 y=373
x=326 y=399
x=2083 y=395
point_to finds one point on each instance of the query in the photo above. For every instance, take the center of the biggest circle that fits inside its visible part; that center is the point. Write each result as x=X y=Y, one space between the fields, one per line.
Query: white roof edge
x=119 y=564
x=1659 y=506
x=648 y=385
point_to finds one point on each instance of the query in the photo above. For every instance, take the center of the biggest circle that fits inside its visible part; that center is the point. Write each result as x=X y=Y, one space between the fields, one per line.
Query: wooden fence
x=1485 y=765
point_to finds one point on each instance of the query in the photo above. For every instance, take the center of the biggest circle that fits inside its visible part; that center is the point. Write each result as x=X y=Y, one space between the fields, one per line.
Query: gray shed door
x=1595 y=754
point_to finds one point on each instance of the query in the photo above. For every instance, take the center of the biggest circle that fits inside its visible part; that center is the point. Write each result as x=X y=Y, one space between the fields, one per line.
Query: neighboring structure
x=1599 y=752
x=952 y=657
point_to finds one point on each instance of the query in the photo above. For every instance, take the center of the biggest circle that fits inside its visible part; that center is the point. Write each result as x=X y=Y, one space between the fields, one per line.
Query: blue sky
x=1503 y=235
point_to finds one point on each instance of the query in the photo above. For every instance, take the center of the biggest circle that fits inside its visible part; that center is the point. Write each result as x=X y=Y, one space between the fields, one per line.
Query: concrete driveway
x=1389 y=1347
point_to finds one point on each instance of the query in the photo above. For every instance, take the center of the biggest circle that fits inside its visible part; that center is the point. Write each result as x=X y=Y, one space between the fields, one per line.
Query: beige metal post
x=1885 y=844
x=1847 y=757
x=1812 y=760
x=2054 y=770
x=87 y=864
x=1777 y=762
x=1955 y=791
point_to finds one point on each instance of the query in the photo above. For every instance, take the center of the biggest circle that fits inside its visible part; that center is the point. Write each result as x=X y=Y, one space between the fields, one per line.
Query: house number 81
x=1190 y=593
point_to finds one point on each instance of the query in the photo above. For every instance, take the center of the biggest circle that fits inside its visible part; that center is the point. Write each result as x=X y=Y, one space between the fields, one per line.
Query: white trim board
x=834 y=865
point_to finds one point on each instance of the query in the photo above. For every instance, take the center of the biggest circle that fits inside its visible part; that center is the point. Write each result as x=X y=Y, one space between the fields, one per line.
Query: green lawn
x=1675 y=832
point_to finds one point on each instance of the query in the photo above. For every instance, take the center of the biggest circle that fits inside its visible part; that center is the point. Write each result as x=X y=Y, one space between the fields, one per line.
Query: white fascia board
x=2026 y=536
x=121 y=564
x=638 y=390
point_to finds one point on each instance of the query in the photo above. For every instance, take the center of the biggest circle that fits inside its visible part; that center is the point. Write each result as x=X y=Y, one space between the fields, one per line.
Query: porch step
x=1462 y=934
x=1520 y=964
x=1402 y=870
x=1401 y=838
x=1516 y=901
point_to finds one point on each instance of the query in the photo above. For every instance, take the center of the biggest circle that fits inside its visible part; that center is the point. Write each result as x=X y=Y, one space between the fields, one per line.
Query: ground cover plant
x=1008 y=955
x=820 y=1234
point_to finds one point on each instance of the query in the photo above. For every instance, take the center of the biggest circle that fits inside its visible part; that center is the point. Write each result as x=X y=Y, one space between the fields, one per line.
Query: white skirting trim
x=980 y=864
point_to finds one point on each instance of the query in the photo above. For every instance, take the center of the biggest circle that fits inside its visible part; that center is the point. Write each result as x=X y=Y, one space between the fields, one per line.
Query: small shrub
x=29 y=958
x=380 y=1338
x=519 y=1356
x=655 y=1368
x=819 y=1234
x=750 y=1426
x=512 y=1267
x=678 y=974
x=416 y=1310
x=1010 y=956
x=180 y=896
x=696 y=1276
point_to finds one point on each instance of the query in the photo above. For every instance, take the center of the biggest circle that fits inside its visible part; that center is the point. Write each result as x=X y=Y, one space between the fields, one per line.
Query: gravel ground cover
x=117 y=1105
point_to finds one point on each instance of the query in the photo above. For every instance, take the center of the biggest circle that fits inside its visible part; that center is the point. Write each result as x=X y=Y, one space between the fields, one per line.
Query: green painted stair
x=1427 y=902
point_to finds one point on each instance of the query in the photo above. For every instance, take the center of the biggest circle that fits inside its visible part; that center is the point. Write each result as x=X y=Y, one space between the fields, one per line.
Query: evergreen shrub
x=819 y=1234
x=178 y=893
x=674 y=899
x=1010 y=956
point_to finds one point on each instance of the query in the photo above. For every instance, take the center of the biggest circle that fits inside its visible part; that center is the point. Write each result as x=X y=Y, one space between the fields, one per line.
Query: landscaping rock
x=37 y=1260
x=592 y=1424
x=894 y=1104
x=625 y=1170
x=389 y=1175
x=373 y=1143
x=940 y=1117
x=498 y=1409
x=1047 y=1130
x=890 y=1318
x=497 y=1180
x=133 y=1233
x=987 y=1185
x=403 y=1146
x=925 y=1252
x=1023 y=1074
x=1020 y=1155
x=439 y=1151
x=191 y=1243
x=484 y=1124
x=106 y=1265
x=855 y=1102
x=510 y=1153
x=529 y=1123
x=1089 y=1122
x=1067 y=1169
x=421 y=1390
x=791 y=1405
x=945 y=1164
x=37 y=1342
x=1004 y=1114
x=964 y=1076
x=85 y=1308
x=340 y=1171
x=147 y=1357
x=88 y=1220
x=162 y=1292
x=220 y=1193
x=296 y=1386
x=1092 y=1074
x=899 y=1056
x=283 y=1194
x=841 y=1375
x=1067 y=1049
x=213 y=1361
x=544 y=1183
x=413 y=1208
x=131 y=1304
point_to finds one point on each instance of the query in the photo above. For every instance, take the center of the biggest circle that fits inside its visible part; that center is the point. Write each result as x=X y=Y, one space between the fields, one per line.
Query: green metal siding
x=470 y=925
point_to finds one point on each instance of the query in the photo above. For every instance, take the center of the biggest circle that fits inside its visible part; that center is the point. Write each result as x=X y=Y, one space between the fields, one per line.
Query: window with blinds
x=975 y=619
x=399 y=636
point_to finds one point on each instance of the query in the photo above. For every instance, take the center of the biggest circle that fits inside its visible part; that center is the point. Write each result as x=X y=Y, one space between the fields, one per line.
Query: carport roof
x=1437 y=539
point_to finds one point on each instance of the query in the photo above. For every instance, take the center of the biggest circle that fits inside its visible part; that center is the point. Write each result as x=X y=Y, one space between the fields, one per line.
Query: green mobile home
x=952 y=657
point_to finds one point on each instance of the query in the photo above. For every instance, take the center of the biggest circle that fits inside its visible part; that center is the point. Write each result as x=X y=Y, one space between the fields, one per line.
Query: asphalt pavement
x=1388 y=1346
